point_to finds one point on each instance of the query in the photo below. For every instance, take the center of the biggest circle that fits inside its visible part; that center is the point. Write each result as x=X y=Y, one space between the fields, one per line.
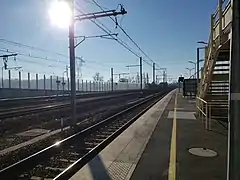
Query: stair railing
x=203 y=112
x=213 y=45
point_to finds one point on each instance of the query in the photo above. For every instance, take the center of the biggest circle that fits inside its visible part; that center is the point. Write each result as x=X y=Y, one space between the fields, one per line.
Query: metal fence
x=22 y=80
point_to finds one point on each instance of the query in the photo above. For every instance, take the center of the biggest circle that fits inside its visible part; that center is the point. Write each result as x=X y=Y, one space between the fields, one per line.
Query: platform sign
x=180 y=79
x=189 y=87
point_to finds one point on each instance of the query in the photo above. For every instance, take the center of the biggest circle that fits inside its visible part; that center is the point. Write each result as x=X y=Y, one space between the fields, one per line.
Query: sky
x=166 y=30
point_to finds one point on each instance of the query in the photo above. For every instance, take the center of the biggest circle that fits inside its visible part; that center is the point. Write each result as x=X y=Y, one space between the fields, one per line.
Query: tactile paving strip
x=119 y=170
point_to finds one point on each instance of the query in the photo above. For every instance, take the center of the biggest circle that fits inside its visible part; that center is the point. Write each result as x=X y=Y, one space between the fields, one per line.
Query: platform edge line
x=172 y=162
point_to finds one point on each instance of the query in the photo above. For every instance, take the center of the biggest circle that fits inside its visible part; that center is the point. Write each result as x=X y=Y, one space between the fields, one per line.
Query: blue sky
x=166 y=30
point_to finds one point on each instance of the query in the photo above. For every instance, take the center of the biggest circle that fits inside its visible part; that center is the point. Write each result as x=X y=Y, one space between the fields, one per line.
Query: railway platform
x=167 y=142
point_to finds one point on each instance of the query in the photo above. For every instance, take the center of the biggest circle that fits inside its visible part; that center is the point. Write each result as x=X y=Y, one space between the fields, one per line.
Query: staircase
x=217 y=93
x=214 y=86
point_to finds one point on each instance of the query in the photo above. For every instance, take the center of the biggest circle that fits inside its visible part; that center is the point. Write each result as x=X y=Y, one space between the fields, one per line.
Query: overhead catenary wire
x=31 y=47
x=106 y=30
x=46 y=60
x=125 y=33
x=6 y=50
x=39 y=63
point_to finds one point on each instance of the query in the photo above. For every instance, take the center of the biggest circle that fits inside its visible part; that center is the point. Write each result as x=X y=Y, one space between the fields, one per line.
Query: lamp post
x=195 y=72
x=198 y=58
x=190 y=71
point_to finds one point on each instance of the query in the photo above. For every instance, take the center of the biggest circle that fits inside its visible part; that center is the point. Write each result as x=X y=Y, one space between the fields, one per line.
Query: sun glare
x=60 y=14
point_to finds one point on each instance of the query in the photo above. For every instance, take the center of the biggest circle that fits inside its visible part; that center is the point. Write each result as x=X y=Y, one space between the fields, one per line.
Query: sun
x=60 y=13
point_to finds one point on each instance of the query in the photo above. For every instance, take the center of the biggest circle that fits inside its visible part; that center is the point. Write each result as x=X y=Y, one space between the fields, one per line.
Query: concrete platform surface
x=119 y=159
x=155 y=147
x=178 y=163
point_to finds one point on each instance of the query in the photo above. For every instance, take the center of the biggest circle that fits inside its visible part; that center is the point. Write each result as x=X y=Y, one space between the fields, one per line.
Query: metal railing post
x=51 y=83
x=36 y=81
x=44 y=82
x=9 y=78
x=202 y=108
x=19 y=80
x=82 y=86
x=210 y=118
x=206 y=119
x=28 y=80
x=68 y=81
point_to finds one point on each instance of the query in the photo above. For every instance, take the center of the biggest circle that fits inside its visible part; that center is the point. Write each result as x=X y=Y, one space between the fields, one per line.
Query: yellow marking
x=172 y=162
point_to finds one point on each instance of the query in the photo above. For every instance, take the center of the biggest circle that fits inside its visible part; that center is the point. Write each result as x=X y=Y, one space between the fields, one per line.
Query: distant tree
x=97 y=77
x=132 y=79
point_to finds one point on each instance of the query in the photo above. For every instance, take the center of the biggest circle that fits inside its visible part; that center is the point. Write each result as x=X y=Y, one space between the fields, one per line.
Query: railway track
x=62 y=159
x=22 y=111
x=52 y=120
x=13 y=154
x=18 y=102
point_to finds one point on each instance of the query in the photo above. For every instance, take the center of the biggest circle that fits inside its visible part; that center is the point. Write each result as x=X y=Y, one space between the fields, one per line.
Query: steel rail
x=13 y=171
x=30 y=110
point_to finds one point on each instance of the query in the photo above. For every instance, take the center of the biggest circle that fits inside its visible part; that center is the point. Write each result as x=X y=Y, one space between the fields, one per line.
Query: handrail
x=202 y=100
x=211 y=51
x=202 y=106
x=204 y=109
x=214 y=41
x=227 y=6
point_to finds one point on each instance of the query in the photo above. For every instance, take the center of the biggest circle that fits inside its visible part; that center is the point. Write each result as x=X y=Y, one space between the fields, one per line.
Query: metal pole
x=163 y=76
x=195 y=69
x=57 y=84
x=19 y=80
x=44 y=82
x=197 y=65
x=112 y=79
x=28 y=80
x=141 y=73
x=234 y=115
x=63 y=83
x=147 y=79
x=86 y=86
x=36 y=81
x=68 y=83
x=82 y=86
x=2 y=78
x=9 y=78
x=72 y=65
x=51 y=82
x=154 y=73
x=78 y=84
